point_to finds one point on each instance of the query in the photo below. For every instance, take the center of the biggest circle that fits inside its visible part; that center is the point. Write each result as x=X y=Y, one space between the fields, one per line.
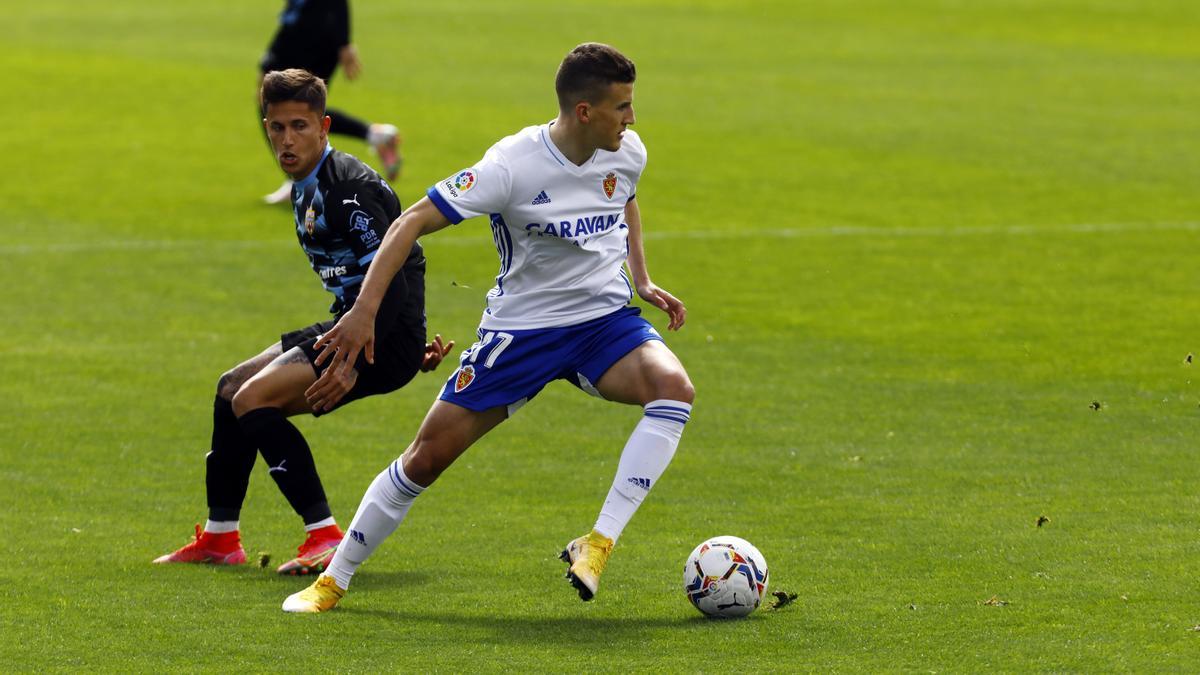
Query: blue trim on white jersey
x=550 y=148
x=444 y=206
x=504 y=247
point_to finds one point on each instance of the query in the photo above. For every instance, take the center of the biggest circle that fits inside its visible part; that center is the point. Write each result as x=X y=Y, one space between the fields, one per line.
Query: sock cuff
x=402 y=482
x=666 y=409
x=315 y=513
x=221 y=526
x=257 y=418
x=326 y=522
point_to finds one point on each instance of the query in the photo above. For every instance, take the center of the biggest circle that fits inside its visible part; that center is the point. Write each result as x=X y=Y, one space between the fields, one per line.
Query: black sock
x=228 y=465
x=346 y=125
x=289 y=460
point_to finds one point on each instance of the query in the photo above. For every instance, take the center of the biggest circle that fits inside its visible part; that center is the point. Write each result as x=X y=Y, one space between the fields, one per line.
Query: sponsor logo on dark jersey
x=331 y=272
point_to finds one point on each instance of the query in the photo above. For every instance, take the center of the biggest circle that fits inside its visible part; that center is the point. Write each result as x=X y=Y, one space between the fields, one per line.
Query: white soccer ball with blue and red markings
x=725 y=577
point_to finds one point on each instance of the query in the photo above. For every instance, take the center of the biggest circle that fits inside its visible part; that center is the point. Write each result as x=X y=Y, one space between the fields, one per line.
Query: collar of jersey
x=312 y=176
x=559 y=157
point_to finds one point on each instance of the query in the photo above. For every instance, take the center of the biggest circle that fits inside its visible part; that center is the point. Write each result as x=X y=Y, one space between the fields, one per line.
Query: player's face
x=298 y=136
x=608 y=117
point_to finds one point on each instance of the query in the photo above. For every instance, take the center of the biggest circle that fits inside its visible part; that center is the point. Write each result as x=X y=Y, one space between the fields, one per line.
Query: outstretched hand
x=330 y=388
x=434 y=353
x=348 y=59
x=353 y=333
x=668 y=303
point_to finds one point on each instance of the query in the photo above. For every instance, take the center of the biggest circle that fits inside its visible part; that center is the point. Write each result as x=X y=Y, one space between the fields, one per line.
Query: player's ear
x=583 y=111
x=325 y=122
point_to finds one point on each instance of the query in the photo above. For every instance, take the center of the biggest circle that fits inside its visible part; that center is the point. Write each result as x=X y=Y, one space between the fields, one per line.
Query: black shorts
x=398 y=357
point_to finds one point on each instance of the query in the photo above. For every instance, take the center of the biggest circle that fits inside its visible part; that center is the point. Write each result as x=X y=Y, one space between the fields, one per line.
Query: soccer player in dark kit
x=314 y=35
x=342 y=211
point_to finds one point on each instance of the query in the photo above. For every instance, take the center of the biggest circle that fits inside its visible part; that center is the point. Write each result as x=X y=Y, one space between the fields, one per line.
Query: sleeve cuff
x=442 y=205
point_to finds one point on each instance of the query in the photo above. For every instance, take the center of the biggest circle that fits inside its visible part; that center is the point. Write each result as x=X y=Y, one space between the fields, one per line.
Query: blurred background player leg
x=315 y=35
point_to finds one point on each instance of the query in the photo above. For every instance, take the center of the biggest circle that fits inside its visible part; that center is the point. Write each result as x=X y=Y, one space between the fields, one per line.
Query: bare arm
x=641 y=276
x=348 y=58
x=355 y=331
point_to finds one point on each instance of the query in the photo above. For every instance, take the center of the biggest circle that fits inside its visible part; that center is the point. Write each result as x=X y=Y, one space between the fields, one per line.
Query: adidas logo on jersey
x=542 y=198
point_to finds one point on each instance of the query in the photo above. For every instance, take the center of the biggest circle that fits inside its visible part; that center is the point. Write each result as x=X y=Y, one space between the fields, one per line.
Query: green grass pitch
x=940 y=263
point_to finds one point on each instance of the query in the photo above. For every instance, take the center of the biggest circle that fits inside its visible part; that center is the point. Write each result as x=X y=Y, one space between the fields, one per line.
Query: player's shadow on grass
x=385 y=579
x=569 y=628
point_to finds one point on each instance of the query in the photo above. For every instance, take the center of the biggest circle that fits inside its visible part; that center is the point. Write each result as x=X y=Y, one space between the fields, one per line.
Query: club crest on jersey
x=466 y=375
x=609 y=184
x=310 y=220
x=461 y=182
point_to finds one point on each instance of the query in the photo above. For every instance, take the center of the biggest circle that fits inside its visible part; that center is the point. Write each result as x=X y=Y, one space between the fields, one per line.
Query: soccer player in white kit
x=561 y=198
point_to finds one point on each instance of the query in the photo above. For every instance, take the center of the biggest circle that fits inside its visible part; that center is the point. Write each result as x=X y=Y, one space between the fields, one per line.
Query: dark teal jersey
x=342 y=210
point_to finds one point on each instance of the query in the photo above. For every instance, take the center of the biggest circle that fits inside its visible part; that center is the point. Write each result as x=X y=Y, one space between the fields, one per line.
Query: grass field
x=920 y=242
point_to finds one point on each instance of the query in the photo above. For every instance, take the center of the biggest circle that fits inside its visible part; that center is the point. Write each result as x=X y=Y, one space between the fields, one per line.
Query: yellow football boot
x=587 y=557
x=321 y=596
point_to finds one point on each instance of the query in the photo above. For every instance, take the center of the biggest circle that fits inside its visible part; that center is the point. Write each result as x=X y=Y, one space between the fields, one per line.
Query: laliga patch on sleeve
x=461 y=182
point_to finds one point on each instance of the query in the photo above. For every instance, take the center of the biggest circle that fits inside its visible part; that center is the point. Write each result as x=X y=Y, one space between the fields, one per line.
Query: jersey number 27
x=494 y=343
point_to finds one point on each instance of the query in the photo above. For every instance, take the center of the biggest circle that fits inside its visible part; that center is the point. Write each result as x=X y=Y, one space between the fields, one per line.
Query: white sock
x=382 y=510
x=319 y=524
x=221 y=526
x=378 y=134
x=646 y=455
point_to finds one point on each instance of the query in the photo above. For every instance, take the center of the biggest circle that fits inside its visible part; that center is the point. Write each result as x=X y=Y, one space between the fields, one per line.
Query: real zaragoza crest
x=610 y=184
x=466 y=375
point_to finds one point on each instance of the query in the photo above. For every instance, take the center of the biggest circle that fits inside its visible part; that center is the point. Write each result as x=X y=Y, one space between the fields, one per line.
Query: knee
x=245 y=399
x=429 y=455
x=227 y=385
x=421 y=466
x=675 y=386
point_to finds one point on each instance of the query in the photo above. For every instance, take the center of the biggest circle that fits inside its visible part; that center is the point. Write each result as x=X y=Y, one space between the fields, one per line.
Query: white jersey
x=559 y=228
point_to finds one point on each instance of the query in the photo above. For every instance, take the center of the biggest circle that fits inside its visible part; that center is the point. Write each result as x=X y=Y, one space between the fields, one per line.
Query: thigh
x=279 y=385
x=604 y=343
x=235 y=377
x=445 y=434
x=648 y=373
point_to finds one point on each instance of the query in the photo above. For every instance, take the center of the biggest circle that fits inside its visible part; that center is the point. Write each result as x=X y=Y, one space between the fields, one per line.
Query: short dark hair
x=293 y=84
x=588 y=70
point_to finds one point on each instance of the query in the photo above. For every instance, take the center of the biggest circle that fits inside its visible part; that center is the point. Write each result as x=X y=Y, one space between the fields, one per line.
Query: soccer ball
x=725 y=577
